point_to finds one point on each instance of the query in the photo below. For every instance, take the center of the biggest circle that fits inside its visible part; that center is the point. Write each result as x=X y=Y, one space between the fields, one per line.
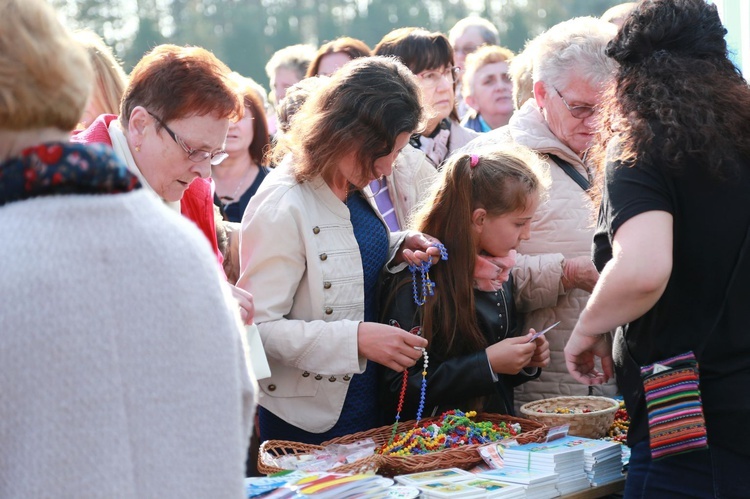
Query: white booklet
x=258 y=360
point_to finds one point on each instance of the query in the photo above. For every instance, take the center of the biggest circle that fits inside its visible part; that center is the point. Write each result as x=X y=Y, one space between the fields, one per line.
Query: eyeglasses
x=579 y=112
x=430 y=79
x=194 y=155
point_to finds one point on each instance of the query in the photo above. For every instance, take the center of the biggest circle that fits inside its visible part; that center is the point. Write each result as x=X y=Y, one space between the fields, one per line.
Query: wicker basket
x=592 y=424
x=461 y=457
x=271 y=449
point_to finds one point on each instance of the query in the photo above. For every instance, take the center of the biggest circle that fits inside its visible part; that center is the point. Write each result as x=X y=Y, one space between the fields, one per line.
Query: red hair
x=177 y=82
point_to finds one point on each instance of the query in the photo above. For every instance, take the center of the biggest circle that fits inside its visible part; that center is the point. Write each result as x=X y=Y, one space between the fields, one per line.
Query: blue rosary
x=428 y=285
x=428 y=289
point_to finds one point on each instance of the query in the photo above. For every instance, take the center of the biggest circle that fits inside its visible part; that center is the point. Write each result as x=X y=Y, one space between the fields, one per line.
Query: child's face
x=500 y=234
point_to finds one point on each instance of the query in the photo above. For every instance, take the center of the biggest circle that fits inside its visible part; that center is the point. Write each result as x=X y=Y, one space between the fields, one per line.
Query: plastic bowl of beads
x=587 y=416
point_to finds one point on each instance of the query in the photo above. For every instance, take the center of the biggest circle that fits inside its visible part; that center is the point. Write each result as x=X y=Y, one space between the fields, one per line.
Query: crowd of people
x=433 y=197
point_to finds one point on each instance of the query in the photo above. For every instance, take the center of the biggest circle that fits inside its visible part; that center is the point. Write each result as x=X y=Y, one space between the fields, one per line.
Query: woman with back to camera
x=671 y=243
x=315 y=270
x=123 y=363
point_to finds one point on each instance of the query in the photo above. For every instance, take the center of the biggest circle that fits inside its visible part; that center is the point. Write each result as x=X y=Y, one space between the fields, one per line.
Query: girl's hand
x=417 y=248
x=511 y=355
x=389 y=346
x=580 y=356
x=541 y=355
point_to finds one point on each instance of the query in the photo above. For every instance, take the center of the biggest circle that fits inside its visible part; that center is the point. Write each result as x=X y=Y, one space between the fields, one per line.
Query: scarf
x=63 y=168
x=491 y=272
x=435 y=146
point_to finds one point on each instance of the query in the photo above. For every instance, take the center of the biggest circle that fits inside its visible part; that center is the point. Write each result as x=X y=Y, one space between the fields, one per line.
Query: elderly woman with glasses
x=554 y=273
x=430 y=57
x=172 y=129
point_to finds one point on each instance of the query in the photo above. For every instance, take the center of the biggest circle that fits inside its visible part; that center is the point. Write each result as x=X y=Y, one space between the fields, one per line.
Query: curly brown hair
x=677 y=98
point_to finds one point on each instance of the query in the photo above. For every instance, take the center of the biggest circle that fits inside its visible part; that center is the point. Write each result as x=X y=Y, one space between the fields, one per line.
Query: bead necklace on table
x=428 y=289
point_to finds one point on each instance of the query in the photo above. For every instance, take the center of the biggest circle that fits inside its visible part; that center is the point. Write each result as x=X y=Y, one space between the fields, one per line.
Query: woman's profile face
x=576 y=133
x=165 y=163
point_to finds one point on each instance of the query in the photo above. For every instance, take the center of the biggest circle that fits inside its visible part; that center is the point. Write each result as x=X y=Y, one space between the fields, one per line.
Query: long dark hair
x=504 y=180
x=677 y=85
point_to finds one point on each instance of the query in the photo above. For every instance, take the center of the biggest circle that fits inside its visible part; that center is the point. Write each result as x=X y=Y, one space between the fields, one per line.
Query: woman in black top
x=672 y=222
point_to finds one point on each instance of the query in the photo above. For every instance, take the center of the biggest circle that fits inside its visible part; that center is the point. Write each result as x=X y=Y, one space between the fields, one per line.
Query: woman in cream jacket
x=312 y=249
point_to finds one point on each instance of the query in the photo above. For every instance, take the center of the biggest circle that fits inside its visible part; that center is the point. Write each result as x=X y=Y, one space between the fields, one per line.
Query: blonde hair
x=111 y=79
x=520 y=71
x=487 y=54
x=45 y=76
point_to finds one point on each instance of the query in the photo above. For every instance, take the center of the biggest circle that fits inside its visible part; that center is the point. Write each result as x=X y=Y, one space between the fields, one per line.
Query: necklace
x=428 y=289
x=227 y=200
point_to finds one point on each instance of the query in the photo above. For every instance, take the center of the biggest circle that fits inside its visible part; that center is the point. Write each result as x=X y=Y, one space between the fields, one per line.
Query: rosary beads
x=428 y=285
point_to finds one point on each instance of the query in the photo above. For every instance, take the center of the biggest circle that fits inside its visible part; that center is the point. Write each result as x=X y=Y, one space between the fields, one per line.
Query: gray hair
x=294 y=57
x=486 y=29
x=573 y=47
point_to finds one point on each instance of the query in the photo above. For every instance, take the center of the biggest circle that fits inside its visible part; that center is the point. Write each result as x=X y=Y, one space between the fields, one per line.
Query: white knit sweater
x=122 y=368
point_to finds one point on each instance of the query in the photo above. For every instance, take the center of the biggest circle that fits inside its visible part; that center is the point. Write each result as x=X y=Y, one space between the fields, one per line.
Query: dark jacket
x=462 y=382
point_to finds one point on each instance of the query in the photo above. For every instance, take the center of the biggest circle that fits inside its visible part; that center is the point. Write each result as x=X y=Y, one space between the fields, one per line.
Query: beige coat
x=562 y=228
x=410 y=183
x=300 y=260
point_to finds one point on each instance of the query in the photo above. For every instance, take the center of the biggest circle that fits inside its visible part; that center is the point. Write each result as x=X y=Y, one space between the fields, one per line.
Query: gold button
x=318 y=377
x=271 y=388
x=316 y=230
x=332 y=379
x=326 y=285
x=323 y=257
x=347 y=377
x=305 y=374
x=329 y=310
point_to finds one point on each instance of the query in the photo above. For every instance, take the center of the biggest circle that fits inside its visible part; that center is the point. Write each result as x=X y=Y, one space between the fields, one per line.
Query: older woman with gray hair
x=554 y=273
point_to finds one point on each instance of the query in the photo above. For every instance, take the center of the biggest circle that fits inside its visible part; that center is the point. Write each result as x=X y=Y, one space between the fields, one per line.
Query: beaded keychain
x=428 y=289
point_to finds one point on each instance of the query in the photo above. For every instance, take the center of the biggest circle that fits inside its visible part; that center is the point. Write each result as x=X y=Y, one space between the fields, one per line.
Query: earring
x=137 y=148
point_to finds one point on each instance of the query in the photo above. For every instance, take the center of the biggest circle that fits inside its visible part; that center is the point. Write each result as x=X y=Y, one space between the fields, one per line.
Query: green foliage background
x=245 y=33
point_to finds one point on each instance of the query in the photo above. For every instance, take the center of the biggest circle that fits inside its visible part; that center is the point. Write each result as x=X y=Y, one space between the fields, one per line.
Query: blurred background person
x=430 y=57
x=110 y=79
x=676 y=144
x=336 y=53
x=317 y=299
x=570 y=71
x=238 y=177
x=124 y=369
x=466 y=36
x=520 y=70
x=172 y=129
x=296 y=95
x=488 y=90
x=286 y=67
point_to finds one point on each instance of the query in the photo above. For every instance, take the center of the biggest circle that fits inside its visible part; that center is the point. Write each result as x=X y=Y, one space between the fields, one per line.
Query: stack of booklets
x=564 y=456
x=457 y=483
x=602 y=461
x=535 y=484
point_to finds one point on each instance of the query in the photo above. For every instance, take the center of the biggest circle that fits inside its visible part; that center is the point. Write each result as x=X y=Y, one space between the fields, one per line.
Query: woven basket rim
x=526 y=408
x=462 y=457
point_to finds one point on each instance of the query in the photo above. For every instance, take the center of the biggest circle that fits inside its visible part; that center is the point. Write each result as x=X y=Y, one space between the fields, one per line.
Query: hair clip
x=473 y=160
